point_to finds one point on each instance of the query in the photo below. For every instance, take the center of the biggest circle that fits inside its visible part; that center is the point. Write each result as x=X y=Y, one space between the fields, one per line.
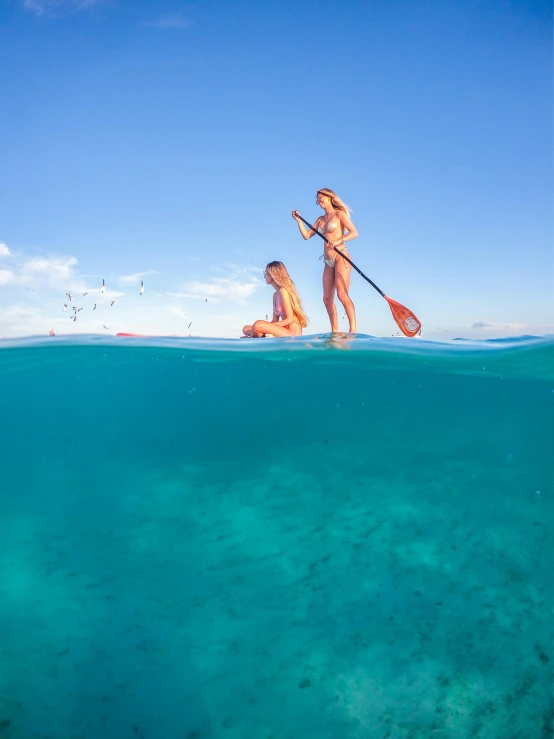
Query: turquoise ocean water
x=276 y=539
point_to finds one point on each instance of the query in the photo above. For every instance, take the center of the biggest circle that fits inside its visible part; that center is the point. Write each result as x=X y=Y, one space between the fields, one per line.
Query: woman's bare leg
x=249 y=331
x=329 y=296
x=261 y=328
x=343 y=272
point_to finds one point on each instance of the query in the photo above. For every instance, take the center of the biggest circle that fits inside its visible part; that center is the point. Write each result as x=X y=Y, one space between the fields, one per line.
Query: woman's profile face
x=322 y=200
x=267 y=276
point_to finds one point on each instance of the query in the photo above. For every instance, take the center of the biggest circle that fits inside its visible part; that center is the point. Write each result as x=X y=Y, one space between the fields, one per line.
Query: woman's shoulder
x=343 y=216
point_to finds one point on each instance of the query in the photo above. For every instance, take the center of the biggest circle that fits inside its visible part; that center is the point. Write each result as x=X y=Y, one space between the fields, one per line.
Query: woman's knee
x=328 y=300
x=343 y=296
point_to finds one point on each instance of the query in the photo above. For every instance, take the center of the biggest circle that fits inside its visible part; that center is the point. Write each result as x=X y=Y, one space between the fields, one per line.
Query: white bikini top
x=331 y=225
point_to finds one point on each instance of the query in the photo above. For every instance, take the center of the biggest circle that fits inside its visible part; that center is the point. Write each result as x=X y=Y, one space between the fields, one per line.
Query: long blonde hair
x=281 y=277
x=336 y=202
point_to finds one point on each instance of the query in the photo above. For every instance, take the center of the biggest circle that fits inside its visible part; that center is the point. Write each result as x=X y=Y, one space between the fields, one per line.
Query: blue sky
x=169 y=142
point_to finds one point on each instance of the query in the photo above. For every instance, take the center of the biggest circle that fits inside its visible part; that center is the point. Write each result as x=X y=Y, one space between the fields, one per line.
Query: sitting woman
x=288 y=317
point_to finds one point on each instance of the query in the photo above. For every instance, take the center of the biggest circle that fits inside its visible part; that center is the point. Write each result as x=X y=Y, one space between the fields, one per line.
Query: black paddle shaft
x=359 y=271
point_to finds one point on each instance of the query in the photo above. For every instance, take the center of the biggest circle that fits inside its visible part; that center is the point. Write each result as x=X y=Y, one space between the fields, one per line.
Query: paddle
x=405 y=319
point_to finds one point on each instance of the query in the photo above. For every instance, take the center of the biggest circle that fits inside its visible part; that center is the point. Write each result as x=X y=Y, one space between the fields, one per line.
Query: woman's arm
x=307 y=233
x=275 y=318
x=289 y=315
x=344 y=218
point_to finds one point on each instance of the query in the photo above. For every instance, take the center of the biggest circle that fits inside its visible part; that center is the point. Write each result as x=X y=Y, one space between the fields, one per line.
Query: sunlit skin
x=287 y=326
x=336 y=278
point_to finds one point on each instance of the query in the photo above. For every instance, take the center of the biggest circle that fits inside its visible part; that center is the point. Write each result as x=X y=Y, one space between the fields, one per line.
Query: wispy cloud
x=58 y=271
x=4 y=251
x=52 y=275
x=172 y=22
x=482 y=330
x=56 y=7
x=137 y=277
x=20 y=312
x=6 y=277
x=177 y=311
x=16 y=320
x=514 y=326
x=240 y=285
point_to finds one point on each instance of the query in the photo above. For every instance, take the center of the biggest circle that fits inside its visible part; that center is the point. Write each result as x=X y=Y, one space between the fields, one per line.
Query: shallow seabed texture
x=276 y=542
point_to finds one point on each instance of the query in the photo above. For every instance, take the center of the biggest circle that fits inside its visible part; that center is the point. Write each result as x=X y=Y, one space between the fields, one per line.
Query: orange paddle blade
x=405 y=319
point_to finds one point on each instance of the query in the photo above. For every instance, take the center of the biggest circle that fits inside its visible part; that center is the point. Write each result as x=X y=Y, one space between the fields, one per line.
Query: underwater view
x=276 y=539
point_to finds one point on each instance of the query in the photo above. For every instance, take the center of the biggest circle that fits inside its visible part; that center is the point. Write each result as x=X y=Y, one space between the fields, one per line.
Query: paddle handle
x=359 y=271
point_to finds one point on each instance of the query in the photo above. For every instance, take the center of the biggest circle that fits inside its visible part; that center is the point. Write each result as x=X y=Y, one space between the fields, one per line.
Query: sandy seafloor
x=205 y=541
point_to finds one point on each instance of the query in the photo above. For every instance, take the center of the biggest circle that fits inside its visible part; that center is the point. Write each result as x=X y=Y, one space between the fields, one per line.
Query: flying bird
x=190 y=324
x=84 y=294
x=103 y=286
x=105 y=327
x=141 y=287
x=51 y=332
x=94 y=307
x=65 y=306
x=113 y=301
x=74 y=318
x=70 y=296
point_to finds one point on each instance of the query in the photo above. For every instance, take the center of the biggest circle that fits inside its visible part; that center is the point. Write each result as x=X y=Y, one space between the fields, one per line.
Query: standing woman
x=336 y=226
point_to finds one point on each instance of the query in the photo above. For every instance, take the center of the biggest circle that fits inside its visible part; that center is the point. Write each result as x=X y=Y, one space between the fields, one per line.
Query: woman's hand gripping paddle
x=405 y=319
